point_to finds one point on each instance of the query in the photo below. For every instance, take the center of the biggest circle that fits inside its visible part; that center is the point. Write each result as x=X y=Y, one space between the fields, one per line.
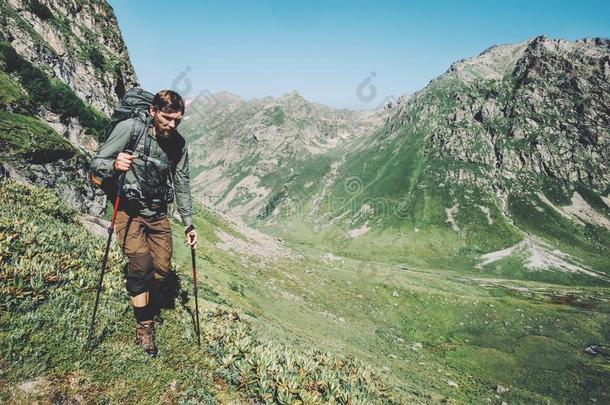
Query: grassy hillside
x=28 y=139
x=49 y=268
x=429 y=328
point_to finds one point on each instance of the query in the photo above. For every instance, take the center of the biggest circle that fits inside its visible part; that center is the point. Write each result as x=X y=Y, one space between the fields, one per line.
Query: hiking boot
x=145 y=337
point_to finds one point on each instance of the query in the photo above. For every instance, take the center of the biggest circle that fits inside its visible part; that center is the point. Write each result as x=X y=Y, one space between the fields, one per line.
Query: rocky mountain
x=64 y=66
x=506 y=150
x=241 y=151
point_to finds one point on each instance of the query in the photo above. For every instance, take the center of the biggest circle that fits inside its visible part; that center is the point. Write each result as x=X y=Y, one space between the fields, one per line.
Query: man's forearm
x=103 y=168
x=103 y=162
x=185 y=206
x=182 y=185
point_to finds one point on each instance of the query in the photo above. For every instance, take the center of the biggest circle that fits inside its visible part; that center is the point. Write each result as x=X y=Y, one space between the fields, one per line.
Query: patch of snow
x=557 y=209
x=497 y=255
x=331 y=257
x=581 y=209
x=540 y=255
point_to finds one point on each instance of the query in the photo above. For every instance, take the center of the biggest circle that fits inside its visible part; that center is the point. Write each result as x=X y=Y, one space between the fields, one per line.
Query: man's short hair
x=168 y=101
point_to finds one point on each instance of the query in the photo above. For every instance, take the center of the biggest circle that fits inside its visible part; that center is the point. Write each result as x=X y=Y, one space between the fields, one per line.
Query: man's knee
x=162 y=264
x=139 y=275
x=162 y=274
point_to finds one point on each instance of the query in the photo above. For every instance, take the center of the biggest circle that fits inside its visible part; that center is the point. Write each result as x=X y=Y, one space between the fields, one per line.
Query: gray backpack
x=134 y=104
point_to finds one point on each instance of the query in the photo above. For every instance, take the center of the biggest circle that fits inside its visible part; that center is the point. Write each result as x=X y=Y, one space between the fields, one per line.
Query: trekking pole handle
x=119 y=194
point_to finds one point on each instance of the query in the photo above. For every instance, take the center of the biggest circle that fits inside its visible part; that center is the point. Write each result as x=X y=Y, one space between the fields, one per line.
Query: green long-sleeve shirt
x=167 y=163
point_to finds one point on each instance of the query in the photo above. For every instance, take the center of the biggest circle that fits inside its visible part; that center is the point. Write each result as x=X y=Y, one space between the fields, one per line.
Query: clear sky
x=326 y=49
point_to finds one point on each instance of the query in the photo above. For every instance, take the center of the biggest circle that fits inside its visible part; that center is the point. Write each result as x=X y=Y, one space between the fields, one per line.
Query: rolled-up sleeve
x=103 y=162
x=182 y=185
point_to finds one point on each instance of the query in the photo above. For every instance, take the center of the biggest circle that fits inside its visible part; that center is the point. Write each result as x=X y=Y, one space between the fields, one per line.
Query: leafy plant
x=48 y=278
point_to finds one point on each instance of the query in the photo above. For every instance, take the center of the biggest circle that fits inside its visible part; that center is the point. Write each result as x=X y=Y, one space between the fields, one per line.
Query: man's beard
x=164 y=133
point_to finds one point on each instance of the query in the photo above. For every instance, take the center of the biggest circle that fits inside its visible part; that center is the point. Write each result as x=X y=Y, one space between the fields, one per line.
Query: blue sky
x=325 y=49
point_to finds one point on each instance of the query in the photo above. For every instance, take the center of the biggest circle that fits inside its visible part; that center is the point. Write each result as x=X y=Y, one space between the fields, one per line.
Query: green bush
x=34 y=256
x=28 y=138
x=39 y=9
x=10 y=92
x=96 y=57
x=62 y=100
x=9 y=57
x=274 y=373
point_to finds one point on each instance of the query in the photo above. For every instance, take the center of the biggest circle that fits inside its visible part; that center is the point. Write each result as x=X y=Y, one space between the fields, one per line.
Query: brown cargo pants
x=147 y=242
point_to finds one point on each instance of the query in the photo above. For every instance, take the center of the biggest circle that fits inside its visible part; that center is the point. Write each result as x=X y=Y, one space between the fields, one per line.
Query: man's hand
x=191 y=236
x=123 y=162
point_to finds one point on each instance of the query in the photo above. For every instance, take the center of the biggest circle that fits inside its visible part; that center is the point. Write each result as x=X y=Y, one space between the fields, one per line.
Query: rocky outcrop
x=64 y=177
x=77 y=43
x=539 y=108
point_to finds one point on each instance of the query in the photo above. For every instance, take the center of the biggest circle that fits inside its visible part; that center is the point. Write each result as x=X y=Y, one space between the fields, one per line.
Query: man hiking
x=156 y=170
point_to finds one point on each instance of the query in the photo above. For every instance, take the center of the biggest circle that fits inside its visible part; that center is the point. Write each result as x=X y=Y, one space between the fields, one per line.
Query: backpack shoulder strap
x=139 y=129
x=147 y=141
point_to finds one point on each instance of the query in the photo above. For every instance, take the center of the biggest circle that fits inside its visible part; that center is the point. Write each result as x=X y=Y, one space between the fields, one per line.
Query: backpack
x=134 y=104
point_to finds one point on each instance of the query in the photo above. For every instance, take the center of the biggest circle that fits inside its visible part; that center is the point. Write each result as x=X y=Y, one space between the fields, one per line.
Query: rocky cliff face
x=64 y=62
x=538 y=108
x=77 y=42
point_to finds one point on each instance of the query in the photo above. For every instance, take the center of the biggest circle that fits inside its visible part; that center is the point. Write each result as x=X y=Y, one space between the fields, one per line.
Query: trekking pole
x=195 y=294
x=105 y=262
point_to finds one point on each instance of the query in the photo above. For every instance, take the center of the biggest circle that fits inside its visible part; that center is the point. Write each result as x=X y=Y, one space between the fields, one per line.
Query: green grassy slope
x=430 y=327
x=49 y=268
x=29 y=139
x=407 y=194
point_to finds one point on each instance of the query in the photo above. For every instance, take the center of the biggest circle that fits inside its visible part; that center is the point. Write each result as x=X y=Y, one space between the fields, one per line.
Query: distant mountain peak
x=226 y=96
x=293 y=94
x=295 y=99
